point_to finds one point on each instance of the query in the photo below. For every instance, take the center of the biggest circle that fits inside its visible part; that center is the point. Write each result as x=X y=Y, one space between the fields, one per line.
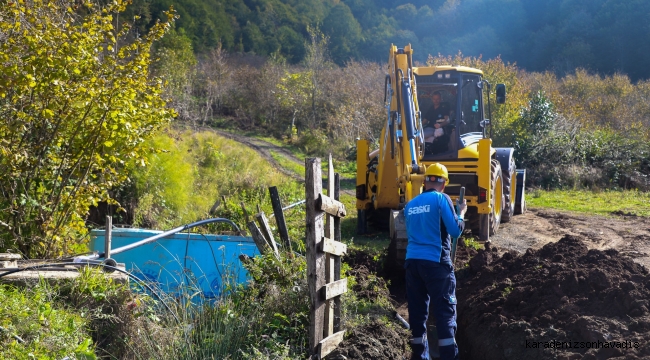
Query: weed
x=470 y=242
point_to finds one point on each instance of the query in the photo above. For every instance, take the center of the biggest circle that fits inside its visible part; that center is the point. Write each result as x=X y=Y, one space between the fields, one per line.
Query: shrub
x=74 y=109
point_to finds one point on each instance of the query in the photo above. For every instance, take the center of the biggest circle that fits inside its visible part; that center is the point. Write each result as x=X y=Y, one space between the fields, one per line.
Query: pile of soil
x=376 y=340
x=562 y=301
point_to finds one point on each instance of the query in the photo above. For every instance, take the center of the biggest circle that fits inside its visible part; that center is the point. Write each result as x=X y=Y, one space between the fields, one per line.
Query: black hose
x=113 y=268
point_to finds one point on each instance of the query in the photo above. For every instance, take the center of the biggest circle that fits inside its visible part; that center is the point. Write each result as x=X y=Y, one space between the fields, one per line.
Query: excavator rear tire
x=509 y=190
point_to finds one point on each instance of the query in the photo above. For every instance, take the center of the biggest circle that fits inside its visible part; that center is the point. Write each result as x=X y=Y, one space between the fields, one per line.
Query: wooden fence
x=324 y=251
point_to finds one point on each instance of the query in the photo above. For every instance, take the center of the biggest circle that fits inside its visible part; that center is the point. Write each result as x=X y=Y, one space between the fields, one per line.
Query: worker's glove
x=462 y=208
x=438 y=132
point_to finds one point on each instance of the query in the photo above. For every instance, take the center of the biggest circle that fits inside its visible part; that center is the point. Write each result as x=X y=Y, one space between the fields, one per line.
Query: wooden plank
x=266 y=231
x=335 y=288
x=279 y=218
x=333 y=247
x=315 y=258
x=330 y=343
x=261 y=243
x=330 y=206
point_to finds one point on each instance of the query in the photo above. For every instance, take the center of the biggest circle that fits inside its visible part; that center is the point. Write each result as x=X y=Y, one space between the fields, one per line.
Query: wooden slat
x=279 y=218
x=330 y=206
x=334 y=289
x=330 y=343
x=266 y=231
x=259 y=239
x=315 y=258
x=334 y=247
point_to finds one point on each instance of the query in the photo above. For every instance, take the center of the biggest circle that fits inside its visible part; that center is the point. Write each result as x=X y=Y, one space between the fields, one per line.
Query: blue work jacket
x=431 y=221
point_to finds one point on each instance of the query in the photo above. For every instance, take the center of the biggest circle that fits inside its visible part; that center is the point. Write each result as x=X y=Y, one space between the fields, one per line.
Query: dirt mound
x=376 y=340
x=562 y=301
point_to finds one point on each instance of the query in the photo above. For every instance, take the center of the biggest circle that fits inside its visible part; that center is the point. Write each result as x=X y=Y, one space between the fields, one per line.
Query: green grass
x=190 y=173
x=593 y=202
x=288 y=164
x=32 y=327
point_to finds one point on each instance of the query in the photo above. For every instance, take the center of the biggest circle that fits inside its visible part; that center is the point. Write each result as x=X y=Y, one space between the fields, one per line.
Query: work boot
x=420 y=351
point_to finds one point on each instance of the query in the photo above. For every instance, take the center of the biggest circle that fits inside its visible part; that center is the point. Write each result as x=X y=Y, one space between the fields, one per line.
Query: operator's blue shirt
x=431 y=221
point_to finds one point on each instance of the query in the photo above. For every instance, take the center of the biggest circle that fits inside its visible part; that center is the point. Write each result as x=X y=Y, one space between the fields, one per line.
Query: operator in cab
x=435 y=119
x=431 y=221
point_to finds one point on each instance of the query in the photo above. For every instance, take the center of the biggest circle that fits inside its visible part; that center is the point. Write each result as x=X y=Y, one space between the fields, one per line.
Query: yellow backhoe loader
x=391 y=175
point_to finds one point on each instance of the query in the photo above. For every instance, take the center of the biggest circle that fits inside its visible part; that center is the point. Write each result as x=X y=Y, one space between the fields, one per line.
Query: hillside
x=559 y=35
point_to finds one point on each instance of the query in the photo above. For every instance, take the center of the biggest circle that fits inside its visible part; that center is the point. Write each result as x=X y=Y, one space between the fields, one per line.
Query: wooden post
x=337 y=259
x=279 y=218
x=315 y=257
x=329 y=258
x=108 y=237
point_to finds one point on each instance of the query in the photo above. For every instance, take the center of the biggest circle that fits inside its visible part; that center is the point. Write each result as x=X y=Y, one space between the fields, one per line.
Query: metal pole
x=165 y=234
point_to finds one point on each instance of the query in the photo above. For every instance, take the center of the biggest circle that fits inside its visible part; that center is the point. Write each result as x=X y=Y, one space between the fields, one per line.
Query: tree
x=316 y=62
x=76 y=101
x=177 y=66
x=344 y=33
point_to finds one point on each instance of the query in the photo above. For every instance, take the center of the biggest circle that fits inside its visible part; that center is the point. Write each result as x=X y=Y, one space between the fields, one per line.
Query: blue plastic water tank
x=182 y=262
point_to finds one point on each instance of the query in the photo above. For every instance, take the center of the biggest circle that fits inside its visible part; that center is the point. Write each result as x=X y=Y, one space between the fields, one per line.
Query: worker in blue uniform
x=431 y=221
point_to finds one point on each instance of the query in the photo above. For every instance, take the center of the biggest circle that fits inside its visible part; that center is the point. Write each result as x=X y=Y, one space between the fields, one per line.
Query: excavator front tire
x=489 y=223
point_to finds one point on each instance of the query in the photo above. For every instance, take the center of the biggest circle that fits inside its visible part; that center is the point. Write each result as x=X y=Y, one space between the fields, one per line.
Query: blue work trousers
x=431 y=281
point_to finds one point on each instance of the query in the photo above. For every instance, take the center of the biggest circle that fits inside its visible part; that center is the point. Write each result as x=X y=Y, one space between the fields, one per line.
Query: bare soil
x=563 y=301
x=552 y=276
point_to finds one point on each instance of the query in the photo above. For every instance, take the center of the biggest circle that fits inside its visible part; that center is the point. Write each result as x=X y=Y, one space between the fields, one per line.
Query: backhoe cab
x=390 y=176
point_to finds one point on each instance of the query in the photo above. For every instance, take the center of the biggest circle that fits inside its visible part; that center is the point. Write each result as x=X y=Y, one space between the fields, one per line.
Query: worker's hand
x=462 y=208
x=436 y=125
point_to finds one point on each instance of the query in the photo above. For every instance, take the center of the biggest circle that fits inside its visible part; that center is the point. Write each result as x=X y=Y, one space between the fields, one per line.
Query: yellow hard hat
x=438 y=170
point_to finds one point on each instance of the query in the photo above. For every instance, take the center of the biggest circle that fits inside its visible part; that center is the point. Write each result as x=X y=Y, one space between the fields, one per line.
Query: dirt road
x=630 y=235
